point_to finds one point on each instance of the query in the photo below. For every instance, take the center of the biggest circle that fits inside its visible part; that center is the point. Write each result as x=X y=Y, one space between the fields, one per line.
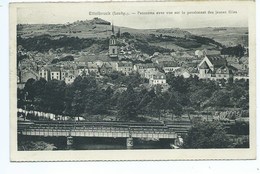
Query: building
x=200 y=53
x=70 y=79
x=149 y=73
x=99 y=63
x=158 y=79
x=106 y=68
x=44 y=73
x=182 y=72
x=208 y=66
x=241 y=75
x=224 y=72
x=215 y=67
x=125 y=67
x=113 y=47
x=55 y=73
x=169 y=66
x=82 y=70
x=92 y=67
x=27 y=74
x=142 y=69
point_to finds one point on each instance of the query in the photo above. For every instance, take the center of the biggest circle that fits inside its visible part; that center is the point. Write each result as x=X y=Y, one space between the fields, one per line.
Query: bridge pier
x=129 y=143
x=69 y=141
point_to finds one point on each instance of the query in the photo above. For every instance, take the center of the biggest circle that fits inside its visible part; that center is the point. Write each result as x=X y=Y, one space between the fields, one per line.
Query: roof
x=204 y=65
x=159 y=75
x=106 y=65
x=53 y=68
x=169 y=64
x=217 y=60
x=92 y=65
x=224 y=70
x=147 y=65
x=125 y=64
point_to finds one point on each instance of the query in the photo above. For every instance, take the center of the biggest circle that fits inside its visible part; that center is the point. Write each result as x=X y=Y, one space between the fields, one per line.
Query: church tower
x=113 y=49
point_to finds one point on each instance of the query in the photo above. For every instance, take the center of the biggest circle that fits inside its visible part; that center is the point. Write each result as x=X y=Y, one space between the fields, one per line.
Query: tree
x=127 y=104
x=220 y=98
x=29 y=88
x=207 y=135
x=77 y=105
x=174 y=105
x=54 y=97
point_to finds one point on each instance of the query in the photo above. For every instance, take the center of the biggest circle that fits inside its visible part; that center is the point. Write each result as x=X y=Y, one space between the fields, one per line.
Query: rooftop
x=217 y=60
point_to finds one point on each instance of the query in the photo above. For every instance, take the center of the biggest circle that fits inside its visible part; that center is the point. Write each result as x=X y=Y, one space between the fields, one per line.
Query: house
x=55 y=73
x=44 y=73
x=125 y=67
x=149 y=73
x=241 y=75
x=114 y=65
x=99 y=63
x=224 y=72
x=182 y=72
x=158 y=79
x=193 y=71
x=143 y=68
x=27 y=74
x=169 y=66
x=82 y=70
x=200 y=53
x=106 y=68
x=70 y=79
x=209 y=65
x=67 y=72
x=92 y=67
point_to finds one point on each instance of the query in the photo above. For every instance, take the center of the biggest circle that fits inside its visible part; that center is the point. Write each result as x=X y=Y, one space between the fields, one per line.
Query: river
x=82 y=143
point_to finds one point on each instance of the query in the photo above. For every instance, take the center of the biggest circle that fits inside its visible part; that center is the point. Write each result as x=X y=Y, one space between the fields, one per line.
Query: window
x=113 y=51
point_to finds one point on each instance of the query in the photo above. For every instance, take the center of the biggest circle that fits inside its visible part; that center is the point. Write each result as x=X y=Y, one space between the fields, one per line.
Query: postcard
x=132 y=81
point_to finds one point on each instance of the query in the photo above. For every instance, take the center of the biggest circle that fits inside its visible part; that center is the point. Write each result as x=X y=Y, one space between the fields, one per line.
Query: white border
x=238 y=166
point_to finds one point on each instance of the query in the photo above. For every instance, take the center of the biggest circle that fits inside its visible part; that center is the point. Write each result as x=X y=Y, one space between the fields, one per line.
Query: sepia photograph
x=157 y=81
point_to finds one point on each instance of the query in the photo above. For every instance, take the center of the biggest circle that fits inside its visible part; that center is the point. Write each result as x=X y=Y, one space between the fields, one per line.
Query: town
x=125 y=82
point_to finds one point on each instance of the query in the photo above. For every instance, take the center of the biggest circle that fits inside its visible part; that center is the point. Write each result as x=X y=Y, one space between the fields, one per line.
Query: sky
x=137 y=17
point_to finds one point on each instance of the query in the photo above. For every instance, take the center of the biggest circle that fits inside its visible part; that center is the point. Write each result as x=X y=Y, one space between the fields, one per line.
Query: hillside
x=235 y=35
x=92 y=36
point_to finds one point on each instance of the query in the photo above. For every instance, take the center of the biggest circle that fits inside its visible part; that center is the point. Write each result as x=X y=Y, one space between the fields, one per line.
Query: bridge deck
x=81 y=129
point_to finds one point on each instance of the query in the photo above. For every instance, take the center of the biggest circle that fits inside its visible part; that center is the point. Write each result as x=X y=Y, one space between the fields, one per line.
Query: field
x=226 y=36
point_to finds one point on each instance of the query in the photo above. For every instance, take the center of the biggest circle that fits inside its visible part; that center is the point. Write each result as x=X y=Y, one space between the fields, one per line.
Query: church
x=113 y=45
x=215 y=67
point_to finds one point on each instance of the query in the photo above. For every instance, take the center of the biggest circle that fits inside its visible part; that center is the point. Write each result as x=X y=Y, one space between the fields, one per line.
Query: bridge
x=128 y=130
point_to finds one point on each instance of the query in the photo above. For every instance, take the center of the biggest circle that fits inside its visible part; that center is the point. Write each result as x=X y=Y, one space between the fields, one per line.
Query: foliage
x=237 y=51
x=44 y=43
x=207 y=135
x=126 y=96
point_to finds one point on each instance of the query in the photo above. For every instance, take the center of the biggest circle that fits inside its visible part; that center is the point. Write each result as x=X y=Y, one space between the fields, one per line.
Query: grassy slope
x=235 y=35
x=177 y=39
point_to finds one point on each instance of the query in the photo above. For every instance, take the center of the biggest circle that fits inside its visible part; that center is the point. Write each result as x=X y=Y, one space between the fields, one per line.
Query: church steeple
x=113 y=49
x=113 y=30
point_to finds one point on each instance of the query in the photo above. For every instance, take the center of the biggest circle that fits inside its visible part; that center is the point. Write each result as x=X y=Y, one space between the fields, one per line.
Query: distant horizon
x=138 y=15
x=131 y=27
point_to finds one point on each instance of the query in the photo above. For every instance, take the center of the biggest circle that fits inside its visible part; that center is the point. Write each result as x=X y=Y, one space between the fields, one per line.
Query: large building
x=215 y=67
x=106 y=68
x=125 y=67
x=158 y=79
x=113 y=47
x=55 y=73
x=143 y=69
